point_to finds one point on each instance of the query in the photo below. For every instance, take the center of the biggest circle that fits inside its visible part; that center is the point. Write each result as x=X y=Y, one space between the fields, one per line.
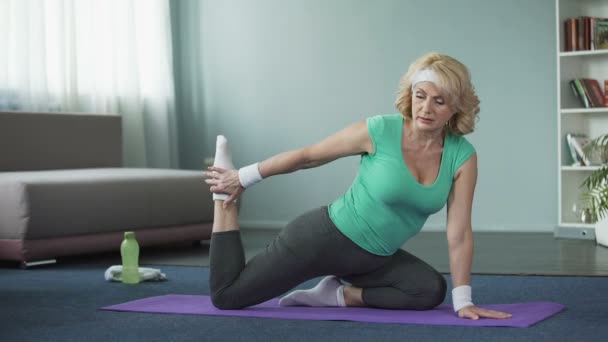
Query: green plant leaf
x=595 y=195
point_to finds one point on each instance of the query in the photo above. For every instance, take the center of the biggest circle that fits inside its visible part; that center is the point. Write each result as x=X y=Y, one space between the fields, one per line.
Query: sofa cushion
x=53 y=141
x=55 y=203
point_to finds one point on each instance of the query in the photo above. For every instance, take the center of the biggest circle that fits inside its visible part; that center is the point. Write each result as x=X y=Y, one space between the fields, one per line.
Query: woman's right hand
x=224 y=182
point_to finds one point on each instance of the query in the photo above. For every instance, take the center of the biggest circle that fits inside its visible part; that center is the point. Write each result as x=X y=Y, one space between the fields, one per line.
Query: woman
x=412 y=164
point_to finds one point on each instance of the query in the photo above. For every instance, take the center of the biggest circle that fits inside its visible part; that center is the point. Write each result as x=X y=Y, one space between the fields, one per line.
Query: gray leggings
x=311 y=246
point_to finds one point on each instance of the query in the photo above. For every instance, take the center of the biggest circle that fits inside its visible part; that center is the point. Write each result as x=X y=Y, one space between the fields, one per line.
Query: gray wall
x=274 y=75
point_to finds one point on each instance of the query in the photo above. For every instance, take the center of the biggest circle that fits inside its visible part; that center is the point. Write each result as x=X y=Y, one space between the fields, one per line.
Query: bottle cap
x=129 y=234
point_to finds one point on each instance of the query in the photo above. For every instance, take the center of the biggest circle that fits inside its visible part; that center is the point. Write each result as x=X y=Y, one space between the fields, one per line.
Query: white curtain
x=97 y=56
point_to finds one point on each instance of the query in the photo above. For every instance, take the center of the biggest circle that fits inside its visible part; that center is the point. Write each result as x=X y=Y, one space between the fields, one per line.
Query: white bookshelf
x=582 y=53
x=579 y=168
x=585 y=111
x=571 y=117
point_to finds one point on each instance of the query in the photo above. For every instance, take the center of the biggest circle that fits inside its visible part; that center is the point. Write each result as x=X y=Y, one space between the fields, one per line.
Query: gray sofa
x=63 y=190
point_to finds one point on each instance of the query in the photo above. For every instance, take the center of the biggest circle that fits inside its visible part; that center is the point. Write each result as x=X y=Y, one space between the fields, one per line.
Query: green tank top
x=385 y=205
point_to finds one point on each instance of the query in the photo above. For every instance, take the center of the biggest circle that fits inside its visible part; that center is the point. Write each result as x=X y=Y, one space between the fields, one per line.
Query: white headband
x=424 y=75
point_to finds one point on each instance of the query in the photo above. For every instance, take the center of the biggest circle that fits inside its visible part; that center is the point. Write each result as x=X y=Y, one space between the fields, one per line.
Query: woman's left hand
x=224 y=181
x=474 y=312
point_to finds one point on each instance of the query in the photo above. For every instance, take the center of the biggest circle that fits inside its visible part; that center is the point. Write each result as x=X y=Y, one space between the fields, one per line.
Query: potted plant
x=595 y=186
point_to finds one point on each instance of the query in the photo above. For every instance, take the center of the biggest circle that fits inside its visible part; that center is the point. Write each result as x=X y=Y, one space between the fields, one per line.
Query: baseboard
x=497 y=228
x=28 y=264
x=547 y=228
x=574 y=233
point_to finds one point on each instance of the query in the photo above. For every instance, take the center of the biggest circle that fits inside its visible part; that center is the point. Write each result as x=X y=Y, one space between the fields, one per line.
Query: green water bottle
x=129 y=251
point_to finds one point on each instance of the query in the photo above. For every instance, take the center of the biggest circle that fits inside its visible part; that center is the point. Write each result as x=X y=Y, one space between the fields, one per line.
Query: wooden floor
x=518 y=253
x=495 y=253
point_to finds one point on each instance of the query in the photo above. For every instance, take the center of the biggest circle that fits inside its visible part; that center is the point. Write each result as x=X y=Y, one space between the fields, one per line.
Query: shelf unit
x=574 y=119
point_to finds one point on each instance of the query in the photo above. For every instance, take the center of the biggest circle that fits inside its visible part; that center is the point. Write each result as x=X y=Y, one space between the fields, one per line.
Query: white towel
x=114 y=273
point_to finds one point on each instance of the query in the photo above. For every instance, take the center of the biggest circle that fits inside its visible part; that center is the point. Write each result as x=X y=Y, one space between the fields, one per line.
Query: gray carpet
x=60 y=302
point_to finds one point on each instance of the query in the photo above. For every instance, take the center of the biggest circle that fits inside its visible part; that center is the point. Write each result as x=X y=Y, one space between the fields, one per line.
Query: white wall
x=274 y=75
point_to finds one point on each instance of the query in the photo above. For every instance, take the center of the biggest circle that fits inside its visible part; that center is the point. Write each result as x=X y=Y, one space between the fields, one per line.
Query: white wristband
x=461 y=297
x=249 y=175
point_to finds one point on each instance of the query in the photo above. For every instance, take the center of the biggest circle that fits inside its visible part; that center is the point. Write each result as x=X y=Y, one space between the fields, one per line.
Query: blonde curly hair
x=454 y=83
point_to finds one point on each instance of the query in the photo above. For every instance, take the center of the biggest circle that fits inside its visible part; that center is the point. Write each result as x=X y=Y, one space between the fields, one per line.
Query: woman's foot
x=329 y=292
x=223 y=159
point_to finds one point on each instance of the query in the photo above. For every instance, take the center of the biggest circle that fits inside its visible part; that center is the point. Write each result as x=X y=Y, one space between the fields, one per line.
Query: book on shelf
x=592 y=22
x=576 y=161
x=570 y=34
x=594 y=92
x=576 y=144
x=585 y=33
x=579 y=91
x=605 y=93
x=601 y=34
x=589 y=92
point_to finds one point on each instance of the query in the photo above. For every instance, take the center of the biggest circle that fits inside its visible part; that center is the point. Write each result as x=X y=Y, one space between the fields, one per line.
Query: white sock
x=329 y=292
x=223 y=159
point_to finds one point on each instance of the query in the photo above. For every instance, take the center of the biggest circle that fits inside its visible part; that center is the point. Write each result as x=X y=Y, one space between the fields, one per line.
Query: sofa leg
x=26 y=264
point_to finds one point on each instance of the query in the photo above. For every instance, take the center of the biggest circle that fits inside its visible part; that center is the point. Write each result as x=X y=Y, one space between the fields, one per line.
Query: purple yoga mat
x=524 y=314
